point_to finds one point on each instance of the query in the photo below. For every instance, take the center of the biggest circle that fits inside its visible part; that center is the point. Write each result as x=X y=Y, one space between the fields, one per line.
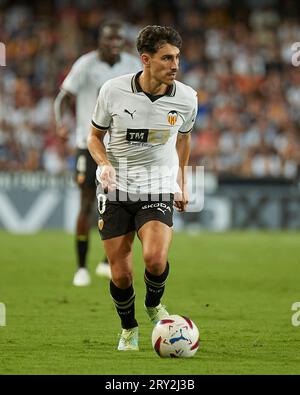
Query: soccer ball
x=175 y=337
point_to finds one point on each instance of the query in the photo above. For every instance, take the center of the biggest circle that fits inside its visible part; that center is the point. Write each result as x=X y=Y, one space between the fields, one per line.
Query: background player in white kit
x=83 y=82
x=148 y=116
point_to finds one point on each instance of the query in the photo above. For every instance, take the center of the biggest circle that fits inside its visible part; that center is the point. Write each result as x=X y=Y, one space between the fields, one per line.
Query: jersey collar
x=136 y=87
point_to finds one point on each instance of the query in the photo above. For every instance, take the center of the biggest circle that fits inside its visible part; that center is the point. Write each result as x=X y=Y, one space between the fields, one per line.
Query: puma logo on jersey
x=130 y=113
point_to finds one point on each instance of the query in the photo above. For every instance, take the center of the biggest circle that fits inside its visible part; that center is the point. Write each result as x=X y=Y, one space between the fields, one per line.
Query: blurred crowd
x=236 y=55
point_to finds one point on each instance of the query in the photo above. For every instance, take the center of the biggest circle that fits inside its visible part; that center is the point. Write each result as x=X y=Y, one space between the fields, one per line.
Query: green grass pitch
x=237 y=287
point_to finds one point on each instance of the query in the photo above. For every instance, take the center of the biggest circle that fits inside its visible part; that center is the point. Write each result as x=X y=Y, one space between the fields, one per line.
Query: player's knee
x=120 y=272
x=122 y=279
x=155 y=261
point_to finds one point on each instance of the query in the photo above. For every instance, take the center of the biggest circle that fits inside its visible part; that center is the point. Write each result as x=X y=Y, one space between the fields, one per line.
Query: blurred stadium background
x=236 y=54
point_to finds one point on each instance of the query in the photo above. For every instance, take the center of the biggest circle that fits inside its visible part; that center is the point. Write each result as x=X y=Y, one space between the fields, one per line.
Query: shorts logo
x=100 y=224
x=163 y=211
x=159 y=206
x=172 y=117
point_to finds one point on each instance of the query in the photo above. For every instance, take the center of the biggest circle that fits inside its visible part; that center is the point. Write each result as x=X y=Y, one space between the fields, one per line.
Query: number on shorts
x=101 y=203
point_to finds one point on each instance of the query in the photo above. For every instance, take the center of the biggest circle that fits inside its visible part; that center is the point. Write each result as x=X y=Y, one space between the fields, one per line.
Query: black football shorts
x=119 y=214
x=85 y=170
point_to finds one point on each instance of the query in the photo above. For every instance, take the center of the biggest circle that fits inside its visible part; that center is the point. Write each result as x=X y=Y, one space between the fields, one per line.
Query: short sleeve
x=188 y=124
x=102 y=116
x=75 y=79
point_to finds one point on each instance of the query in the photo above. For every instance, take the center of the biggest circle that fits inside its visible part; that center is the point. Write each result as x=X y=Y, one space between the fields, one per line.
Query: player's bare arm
x=183 y=146
x=62 y=103
x=97 y=150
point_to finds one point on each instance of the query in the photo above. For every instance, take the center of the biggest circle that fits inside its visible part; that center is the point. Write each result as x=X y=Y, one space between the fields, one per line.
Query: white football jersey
x=143 y=132
x=84 y=81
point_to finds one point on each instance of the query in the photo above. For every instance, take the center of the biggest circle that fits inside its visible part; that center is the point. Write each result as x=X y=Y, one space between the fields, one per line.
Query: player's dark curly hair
x=151 y=38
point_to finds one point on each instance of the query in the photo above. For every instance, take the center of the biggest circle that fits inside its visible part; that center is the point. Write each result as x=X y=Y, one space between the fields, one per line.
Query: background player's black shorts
x=120 y=216
x=85 y=170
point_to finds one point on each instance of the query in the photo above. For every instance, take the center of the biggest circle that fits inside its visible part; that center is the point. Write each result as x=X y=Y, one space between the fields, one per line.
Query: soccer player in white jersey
x=148 y=116
x=83 y=82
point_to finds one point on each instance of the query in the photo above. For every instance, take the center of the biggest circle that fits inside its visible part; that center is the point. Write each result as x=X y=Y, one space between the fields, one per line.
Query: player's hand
x=63 y=132
x=181 y=200
x=108 y=178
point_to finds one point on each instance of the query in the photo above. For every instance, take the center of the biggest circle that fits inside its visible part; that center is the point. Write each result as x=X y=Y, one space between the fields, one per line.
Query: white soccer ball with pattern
x=175 y=337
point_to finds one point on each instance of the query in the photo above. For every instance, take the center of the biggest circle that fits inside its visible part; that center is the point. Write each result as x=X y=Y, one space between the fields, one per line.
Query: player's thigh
x=154 y=221
x=156 y=239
